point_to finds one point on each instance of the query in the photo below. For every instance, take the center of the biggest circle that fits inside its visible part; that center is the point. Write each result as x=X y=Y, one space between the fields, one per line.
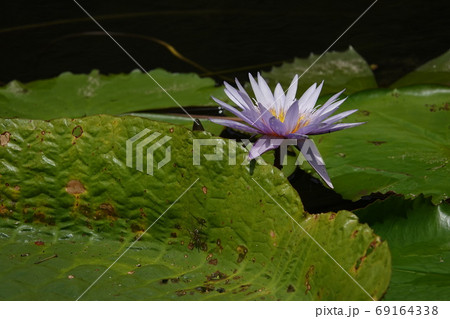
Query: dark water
x=40 y=39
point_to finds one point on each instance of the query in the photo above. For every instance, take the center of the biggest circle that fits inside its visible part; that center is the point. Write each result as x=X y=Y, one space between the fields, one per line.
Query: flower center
x=301 y=122
x=281 y=116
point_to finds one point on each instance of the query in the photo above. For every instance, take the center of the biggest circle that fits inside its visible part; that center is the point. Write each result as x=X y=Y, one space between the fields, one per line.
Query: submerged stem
x=277 y=161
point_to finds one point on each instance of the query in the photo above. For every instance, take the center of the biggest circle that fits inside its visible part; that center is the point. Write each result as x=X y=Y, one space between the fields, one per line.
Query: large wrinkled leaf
x=418 y=234
x=403 y=147
x=340 y=70
x=76 y=95
x=436 y=71
x=66 y=191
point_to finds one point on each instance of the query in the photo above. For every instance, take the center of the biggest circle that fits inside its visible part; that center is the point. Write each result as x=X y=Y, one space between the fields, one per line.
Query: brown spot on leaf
x=77 y=131
x=354 y=233
x=4 y=138
x=136 y=228
x=377 y=143
x=205 y=289
x=39 y=217
x=106 y=210
x=4 y=210
x=242 y=252
x=332 y=216
x=219 y=244
x=213 y=261
x=216 y=276
x=359 y=262
x=39 y=243
x=446 y=107
x=308 y=275
x=243 y=288
x=75 y=187
x=204 y=190
x=180 y=293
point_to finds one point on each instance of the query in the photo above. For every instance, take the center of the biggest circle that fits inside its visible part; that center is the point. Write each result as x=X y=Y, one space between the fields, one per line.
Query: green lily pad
x=403 y=147
x=339 y=70
x=76 y=95
x=70 y=206
x=436 y=71
x=418 y=234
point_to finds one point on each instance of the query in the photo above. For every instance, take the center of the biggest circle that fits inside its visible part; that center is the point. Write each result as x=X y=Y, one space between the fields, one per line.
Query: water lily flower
x=280 y=115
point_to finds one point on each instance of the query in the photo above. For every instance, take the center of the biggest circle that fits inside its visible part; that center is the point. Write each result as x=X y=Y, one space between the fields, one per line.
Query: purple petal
x=258 y=94
x=296 y=136
x=330 y=101
x=305 y=130
x=334 y=127
x=247 y=100
x=338 y=117
x=291 y=117
x=311 y=102
x=326 y=111
x=304 y=98
x=236 y=125
x=263 y=120
x=312 y=155
x=265 y=90
x=232 y=93
x=277 y=126
x=240 y=87
x=279 y=97
x=232 y=110
x=264 y=144
x=290 y=95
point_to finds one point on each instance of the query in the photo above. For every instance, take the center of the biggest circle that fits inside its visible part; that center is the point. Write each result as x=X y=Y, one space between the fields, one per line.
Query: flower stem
x=277 y=161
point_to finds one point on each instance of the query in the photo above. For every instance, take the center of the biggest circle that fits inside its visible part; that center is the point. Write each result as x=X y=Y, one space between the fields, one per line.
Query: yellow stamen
x=300 y=123
x=280 y=116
